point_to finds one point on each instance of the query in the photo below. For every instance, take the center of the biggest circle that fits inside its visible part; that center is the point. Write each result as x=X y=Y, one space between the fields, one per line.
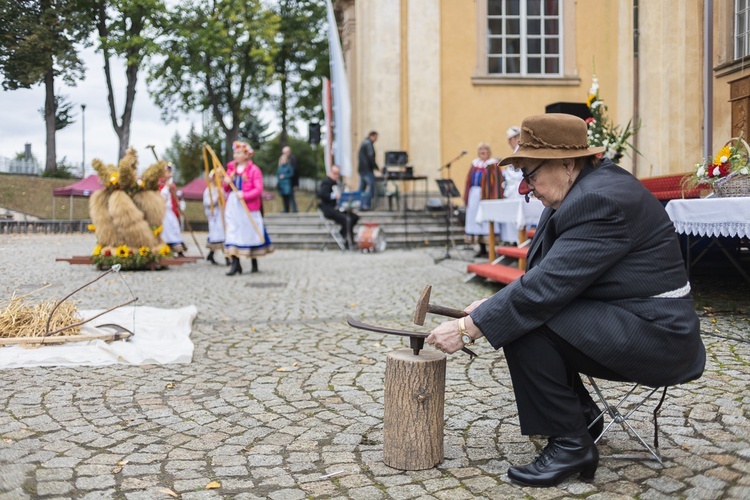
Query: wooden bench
x=495 y=272
x=513 y=252
x=669 y=187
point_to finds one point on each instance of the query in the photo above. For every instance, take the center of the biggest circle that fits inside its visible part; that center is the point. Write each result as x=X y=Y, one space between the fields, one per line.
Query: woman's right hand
x=474 y=305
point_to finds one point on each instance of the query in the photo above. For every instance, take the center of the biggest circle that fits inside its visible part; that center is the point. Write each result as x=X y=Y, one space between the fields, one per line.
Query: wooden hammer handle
x=446 y=311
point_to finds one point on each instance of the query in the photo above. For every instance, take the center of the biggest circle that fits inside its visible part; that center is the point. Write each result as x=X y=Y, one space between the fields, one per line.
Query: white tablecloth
x=514 y=212
x=711 y=216
x=510 y=210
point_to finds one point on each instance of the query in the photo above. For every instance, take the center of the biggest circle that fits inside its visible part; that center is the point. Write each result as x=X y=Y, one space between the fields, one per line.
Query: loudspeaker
x=578 y=109
x=396 y=158
x=313 y=133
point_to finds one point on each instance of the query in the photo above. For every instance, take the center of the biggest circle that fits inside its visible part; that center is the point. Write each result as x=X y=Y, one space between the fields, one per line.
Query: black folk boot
x=210 y=257
x=254 y=263
x=235 y=267
x=561 y=458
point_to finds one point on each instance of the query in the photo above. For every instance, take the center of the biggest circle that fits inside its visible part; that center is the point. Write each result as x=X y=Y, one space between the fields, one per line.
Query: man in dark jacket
x=367 y=168
x=329 y=193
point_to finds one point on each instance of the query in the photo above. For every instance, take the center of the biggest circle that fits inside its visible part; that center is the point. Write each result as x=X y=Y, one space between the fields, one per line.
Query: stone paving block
x=53 y=488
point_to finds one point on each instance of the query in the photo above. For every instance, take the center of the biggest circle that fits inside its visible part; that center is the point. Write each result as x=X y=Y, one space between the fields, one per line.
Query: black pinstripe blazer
x=593 y=268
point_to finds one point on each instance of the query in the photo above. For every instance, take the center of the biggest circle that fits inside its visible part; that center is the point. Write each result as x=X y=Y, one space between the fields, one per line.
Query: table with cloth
x=514 y=211
x=711 y=218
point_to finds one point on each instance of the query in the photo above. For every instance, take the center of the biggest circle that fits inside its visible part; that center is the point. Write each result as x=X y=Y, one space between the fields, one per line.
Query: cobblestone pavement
x=282 y=393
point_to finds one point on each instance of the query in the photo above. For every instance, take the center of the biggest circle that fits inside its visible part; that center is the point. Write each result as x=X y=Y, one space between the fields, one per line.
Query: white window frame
x=741 y=33
x=567 y=74
x=523 y=38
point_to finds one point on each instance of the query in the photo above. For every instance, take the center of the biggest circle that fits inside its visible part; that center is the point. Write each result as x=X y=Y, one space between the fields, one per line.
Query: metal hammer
x=424 y=307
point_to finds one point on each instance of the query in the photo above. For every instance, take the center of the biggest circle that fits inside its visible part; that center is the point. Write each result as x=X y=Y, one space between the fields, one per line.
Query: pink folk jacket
x=252 y=184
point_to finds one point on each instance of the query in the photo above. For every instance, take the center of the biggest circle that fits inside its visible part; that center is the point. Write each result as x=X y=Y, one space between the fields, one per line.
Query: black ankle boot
x=482 y=251
x=227 y=261
x=210 y=257
x=561 y=458
x=235 y=267
x=590 y=412
x=254 y=263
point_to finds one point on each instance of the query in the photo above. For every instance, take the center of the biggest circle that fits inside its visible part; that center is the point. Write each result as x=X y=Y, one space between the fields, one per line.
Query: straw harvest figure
x=127 y=214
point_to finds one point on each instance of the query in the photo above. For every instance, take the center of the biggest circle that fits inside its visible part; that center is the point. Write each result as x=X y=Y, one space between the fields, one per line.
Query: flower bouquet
x=727 y=172
x=602 y=132
x=128 y=258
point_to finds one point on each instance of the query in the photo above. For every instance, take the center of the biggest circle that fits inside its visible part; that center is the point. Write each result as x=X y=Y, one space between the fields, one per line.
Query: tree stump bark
x=414 y=409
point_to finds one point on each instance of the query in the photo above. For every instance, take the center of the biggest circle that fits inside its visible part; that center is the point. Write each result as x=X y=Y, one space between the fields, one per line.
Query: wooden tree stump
x=414 y=409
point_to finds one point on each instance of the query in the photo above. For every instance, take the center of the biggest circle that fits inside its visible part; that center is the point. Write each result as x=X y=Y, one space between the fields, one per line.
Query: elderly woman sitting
x=605 y=294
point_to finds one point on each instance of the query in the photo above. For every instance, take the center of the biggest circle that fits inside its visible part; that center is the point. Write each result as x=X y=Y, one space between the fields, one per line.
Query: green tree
x=300 y=60
x=187 y=154
x=215 y=57
x=63 y=112
x=128 y=30
x=39 y=42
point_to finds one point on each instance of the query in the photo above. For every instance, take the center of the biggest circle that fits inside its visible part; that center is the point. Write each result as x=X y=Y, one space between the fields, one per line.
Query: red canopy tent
x=83 y=188
x=193 y=190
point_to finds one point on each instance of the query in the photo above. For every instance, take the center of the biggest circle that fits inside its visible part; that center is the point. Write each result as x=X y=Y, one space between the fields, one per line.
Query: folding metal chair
x=625 y=408
x=333 y=230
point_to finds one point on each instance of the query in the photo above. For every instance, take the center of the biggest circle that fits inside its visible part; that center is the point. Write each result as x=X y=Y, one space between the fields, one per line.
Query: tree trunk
x=124 y=130
x=414 y=407
x=49 y=120
x=283 y=137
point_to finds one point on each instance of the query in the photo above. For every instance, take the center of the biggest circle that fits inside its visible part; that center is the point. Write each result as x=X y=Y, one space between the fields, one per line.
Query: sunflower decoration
x=91 y=228
x=144 y=251
x=157 y=231
x=97 y=250
x=165 y=251
x=122 y=251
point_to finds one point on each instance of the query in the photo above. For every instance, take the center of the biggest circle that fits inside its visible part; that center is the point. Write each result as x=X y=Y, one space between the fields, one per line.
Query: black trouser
x=341 y=219
x=545 y=371
x=287 y=199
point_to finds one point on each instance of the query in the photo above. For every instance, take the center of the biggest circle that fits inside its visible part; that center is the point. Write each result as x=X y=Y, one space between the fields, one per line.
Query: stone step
x=413 y=229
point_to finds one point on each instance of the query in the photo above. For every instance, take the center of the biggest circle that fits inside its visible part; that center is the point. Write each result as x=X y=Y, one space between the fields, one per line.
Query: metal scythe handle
x=416 y=339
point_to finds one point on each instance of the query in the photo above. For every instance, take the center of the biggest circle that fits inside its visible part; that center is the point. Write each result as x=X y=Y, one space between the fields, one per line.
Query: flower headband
x=242 y=145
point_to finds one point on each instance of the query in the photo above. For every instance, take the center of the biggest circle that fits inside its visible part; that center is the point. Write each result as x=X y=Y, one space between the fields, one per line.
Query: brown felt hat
x=551 y=136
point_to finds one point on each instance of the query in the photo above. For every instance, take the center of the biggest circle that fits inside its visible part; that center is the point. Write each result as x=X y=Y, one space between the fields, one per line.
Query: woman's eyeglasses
x=527 y=177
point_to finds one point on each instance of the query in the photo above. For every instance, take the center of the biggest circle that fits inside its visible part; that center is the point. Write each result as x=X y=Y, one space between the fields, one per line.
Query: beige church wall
x=671 y=86
x=378 y=76
x=423 y=88
x=472 y=112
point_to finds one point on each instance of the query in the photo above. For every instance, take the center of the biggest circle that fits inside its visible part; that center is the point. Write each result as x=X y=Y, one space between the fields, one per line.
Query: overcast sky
x=22 y=123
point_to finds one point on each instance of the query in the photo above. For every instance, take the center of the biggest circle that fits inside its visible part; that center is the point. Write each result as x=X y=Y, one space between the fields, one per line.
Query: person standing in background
x=285 y=179
x=367 y=168
x=295 y=176
x=512 y=176
x=172 y=232
x=482 y=182
x=213 y=210
x=246 y=234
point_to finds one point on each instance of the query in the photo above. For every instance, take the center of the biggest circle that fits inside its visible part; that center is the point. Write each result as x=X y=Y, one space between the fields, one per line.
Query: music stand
x=348 y=201
x=448 y=190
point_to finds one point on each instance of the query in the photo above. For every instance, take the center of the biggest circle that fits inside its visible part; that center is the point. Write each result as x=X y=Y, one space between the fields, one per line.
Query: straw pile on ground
x=22 y=319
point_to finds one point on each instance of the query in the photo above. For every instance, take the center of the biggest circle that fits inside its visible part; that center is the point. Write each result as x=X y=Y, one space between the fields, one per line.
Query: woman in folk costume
x=483 y=182
x=512 y=178
x=171 y=231
x=246 y=234
x=213 y=210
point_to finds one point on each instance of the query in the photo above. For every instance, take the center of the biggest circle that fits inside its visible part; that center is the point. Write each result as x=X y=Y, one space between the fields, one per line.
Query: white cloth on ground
x=161 y=336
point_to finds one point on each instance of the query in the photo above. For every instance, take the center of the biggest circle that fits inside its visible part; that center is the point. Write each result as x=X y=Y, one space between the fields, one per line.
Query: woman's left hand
x=445 y=337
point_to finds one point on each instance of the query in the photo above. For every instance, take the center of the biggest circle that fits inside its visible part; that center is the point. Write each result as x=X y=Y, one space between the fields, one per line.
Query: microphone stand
x=449 y=209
